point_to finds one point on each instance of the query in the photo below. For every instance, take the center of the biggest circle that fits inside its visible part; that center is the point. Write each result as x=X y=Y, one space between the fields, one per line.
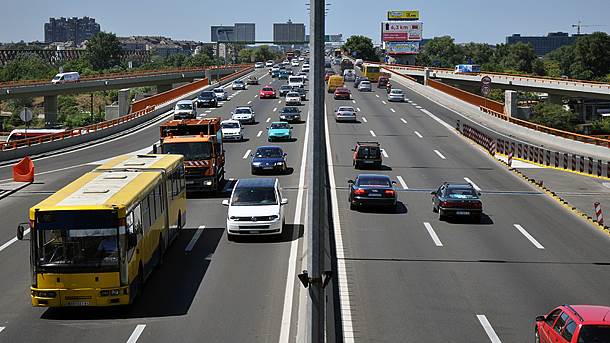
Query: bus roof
x=142 y=162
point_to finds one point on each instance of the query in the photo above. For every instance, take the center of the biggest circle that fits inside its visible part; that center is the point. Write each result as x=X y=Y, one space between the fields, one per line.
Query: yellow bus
x=96 y=241
x=371 y=71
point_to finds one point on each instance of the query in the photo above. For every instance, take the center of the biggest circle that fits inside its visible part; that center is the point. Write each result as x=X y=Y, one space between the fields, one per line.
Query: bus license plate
x=462 y=213
x=77 y=303
x=190 y=182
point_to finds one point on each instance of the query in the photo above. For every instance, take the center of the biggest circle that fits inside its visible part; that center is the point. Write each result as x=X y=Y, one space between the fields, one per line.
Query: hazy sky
x=466 y=20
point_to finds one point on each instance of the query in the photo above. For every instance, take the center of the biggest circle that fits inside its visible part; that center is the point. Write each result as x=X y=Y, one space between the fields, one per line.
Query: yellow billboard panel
x=403 y=15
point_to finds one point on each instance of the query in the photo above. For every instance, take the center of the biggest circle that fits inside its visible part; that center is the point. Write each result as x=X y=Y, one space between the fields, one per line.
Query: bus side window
x=182 y=179
x=146 y=218
x=137 y=220
x=159 y=199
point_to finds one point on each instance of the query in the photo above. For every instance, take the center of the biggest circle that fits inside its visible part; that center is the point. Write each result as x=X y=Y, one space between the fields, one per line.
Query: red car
x=342 y=93
x=574 y=323
x=328 y=74
x=267 y=92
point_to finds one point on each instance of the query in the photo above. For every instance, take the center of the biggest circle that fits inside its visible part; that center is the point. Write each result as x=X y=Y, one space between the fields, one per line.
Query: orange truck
x=200 y=142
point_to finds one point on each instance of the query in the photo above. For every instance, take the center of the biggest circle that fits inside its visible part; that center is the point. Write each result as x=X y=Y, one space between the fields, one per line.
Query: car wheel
x=253 y=171
x=441 y=215
x=352 y=206
x=536 y=336
x=434 y=209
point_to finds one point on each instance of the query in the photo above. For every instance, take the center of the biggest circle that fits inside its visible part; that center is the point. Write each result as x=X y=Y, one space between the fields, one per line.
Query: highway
x=408 y=277
x=207 y=287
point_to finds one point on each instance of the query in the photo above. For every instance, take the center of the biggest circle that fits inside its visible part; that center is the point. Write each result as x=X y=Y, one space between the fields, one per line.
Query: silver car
x=365 y=86
x=221 y=94
x=345 y=113
x=396 y=95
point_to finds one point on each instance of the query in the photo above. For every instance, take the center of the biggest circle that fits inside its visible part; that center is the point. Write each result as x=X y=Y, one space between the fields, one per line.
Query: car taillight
x=389 y=192
x=475 y=204
x=359 y=192
x=444 y=204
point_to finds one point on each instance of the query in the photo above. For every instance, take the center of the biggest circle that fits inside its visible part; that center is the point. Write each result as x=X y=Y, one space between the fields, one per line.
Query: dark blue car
x=271 y=159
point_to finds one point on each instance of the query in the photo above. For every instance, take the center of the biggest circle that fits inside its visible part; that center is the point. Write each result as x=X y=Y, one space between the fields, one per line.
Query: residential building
x=544 y=44
x=73 y=29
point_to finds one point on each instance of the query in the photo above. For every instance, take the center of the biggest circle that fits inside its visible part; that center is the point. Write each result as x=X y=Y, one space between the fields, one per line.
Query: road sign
x=26 y=115
x=486 y=89
x=486 y=80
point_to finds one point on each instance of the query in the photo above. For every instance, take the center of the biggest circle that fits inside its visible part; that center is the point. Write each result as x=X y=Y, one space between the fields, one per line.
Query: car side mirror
x=540 y=318
x=393 y=182
x=433 y=192
x=479 y=193
x=285 y=154
x=351 y=182
x=225 y=202
x=291 y=128
x=21 y=228
x=284 y=201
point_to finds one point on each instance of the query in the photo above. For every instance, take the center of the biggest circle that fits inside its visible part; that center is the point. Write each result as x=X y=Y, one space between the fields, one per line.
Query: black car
x=372 y=190
x=207 y=98
x=302 y=92
x=457 y=200
x=290 y=114
x=284 y=89
x=358 y=79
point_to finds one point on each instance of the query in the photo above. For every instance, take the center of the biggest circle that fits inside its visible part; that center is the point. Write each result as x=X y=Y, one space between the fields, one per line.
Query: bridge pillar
x=511 y=99
x=426 y=75
x=124 y=102
x=50 y=110
x=555 y=99
x=164 y=88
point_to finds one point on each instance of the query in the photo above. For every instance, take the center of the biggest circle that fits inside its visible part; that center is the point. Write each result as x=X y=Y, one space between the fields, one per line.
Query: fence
x=467 y=96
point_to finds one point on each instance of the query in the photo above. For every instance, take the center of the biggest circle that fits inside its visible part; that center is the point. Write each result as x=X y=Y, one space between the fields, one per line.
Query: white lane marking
x=439 y=154
x=473 y=184
x=402 y=182
x=414 y=104
x=274 y=109
x=279 y=101
x=433 y=234
x=393 y=110
x=384 y=153
x=268 y=120
x=344 y=296
x=403 y=120
x=528 y=236
x=260 y=78
x=2 y=328
x=196 y=236
x=372 y=133
x=259 y=133
x=294 y=245
x=493 y=337
x=136 y=333
x=13 y=240
x=364 y=120
x=354 y=101
x=256 y=96
x=419 y=107
x=249 y=102
x=204 y=114
x=146 y=150
x=383 y=102
x=440 y=121
x=377 y=95
x=358 y=109
x=247 y=154
x=208 y=111
x=418 y=134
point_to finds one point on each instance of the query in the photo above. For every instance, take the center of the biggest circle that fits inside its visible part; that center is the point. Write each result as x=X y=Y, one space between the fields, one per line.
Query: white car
x=238 y=85
x=259 y=65
x=296 y=81
x=295 y=63
x=293 y=98
x=244 y=114
x=256 y=207
x=231 y=130
x=301 y=58
x=365 y=86
x=269 y=63
x=396 y=95
x=221 y=94
x=184 y=109
x=345 y=113
x=305 y=69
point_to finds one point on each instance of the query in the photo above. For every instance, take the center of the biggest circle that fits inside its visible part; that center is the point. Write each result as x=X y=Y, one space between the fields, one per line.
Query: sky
x=487 y=21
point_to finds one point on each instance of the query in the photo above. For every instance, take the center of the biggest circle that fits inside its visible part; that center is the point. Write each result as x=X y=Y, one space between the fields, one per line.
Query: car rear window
x=350 y=109
x=243 y=111
x=594 y=334
x=230 y=125
x=290 y=110
x=368 y=152
x=374 y=181
x=461 y=193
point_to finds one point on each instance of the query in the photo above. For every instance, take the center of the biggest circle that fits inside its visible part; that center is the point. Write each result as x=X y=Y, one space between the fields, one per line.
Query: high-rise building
x=288 y=32
x=544 y=44
x=239 y=32
x=73 y=29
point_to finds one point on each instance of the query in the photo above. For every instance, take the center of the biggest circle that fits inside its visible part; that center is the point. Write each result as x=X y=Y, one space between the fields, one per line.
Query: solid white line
x=259 y=133
x=528 y=236
x=247 y=154
x=268 y=120
x=414 y=104
x=439 y=154
x=136 y=333
x=403 y=120
x=13 y=240
x=2 y=328
x=383 y=102
x=418 y=134
x=402 y=182
x=274 y=109
x=208 y=111
x=364 y=120
x=384 y=153
x=294 y=245
x=493 y=337
x=204 y=114
x=372 y=133
x=249 y=102
x=433 y=234
x=377 y=95
x=196 y=236
x=344 y=297
x=473 y=184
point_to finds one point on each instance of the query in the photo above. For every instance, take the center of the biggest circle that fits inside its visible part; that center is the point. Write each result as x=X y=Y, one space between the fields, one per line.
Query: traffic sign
x=486 y=80
x=486 y=89
x=26 y=115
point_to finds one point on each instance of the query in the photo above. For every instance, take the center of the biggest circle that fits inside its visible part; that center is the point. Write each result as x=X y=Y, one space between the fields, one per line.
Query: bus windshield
x=371 y=69
x=194 y=151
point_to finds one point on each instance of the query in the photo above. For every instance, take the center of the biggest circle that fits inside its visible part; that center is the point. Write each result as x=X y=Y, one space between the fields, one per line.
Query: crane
x=580 y=25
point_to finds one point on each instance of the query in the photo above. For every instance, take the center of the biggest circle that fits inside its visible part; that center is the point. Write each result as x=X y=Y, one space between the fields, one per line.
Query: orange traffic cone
x=24 y=170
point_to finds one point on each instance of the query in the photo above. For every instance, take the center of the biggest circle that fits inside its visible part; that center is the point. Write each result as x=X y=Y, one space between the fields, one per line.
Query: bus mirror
x=21 y=230
x=132 y=240
x=154 y=148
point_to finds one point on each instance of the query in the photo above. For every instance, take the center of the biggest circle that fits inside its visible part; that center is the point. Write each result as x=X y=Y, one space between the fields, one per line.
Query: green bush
x=554 y=115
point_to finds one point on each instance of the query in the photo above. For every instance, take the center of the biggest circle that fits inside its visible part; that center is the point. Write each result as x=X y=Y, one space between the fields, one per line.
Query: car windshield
x=230 y=125
x=185 y=106
x=242 y=111
x=279 y=126
x=461 y=193
x=594 y=334
x=269 y=153
x=396 y=91
x=219 y=90
x=266 y=89
x=346 y=109
x=286 y=87
x=192 y=151
x=368 y=152
x=365 y=83
x=254 y=196
x=292 y=94
x=207 y=95
x=238 y=82
x=373 y=181
x=290 y=110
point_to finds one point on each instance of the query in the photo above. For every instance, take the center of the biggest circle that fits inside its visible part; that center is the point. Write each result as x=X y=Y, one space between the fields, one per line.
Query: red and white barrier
x=510 y=158
x=598 y=213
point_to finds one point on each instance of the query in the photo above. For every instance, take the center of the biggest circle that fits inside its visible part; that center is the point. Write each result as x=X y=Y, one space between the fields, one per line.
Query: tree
x=27 y=67
x=553 y=115
x=518 y=57
x=538 y=67
x=361 y=47
x=104 y=51
x=263 y=53
x=441 y=52
x=199 y=60
x=591 y=55
x=244 y=56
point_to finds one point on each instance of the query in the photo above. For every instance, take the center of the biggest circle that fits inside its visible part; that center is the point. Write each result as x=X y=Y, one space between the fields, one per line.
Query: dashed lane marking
x=418 y=134
x=402 y=182
x=403 y=120
x=364 y=120
x=372 y=133
x=473 y=184
x=136 y=333
x=247 y=154
x=489 y=330
x=439 y=154
x=432 y=234
x=196 y=236
x=528 y=236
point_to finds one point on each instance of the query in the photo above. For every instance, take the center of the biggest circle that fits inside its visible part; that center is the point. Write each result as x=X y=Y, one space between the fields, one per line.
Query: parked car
x=268 y=159
x=345 y=113
x=221 y=94
x=454 y=199
x=207 y=98
x=232 y=130
x=372 y=190
x=267 y=92
x=574 y=324
x=293 y=98
x=256 y=207
x=290 y=114
x=244 y=114
x=367 y=154
x=238 y=85
x=342 y=93
x=184 y=109
x=252 y=80
x=365 y=86
x=279 y=131
x=396 y=95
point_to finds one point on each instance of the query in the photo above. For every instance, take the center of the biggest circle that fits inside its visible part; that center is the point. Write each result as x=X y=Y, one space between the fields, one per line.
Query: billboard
x=401 y=31
x=403 y=15
x=401 y=48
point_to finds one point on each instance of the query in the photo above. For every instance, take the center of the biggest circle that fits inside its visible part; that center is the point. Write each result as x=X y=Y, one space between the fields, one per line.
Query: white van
x=185 y=110
x=72 y=76
x=296 y=81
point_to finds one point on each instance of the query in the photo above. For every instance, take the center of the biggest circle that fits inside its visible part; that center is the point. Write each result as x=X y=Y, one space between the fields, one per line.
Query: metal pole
x=317 y=175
